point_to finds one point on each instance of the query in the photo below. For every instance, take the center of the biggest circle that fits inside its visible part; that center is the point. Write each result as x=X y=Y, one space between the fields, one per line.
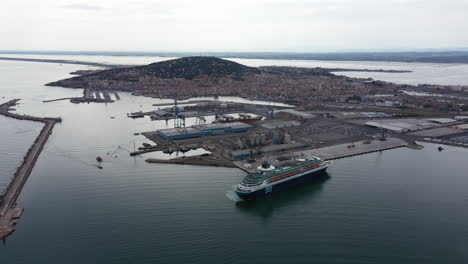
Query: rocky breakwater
x=9 y=213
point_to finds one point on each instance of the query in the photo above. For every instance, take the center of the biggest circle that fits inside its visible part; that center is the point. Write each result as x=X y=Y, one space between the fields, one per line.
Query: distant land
x=460 y=56
x=198 y=76
x=112 y=66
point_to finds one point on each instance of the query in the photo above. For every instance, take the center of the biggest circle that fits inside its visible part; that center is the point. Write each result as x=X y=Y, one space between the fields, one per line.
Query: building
x=387 y=127
x=281 y=124
x=243 y=153
x=295 y=113
x=441 y=120
x=406 y=126
x=203 y=130
x=461 y=118
x=388 y=103
x=461 y=127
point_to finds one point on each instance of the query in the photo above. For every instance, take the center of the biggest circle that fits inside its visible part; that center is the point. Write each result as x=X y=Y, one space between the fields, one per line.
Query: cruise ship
x=269 y=179
x=241 y=118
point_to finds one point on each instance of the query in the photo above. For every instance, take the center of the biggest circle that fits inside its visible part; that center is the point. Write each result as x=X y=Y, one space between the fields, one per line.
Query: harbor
x=90 y=96
x=81 y=213
x=281 y=132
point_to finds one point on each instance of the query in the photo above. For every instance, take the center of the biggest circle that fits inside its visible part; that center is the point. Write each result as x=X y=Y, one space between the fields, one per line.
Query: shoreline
x=434 y=57
x=111 y=66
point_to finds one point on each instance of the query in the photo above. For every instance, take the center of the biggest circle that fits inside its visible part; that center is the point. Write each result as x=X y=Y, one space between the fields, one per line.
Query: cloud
x=82 y=6
x=239 y=25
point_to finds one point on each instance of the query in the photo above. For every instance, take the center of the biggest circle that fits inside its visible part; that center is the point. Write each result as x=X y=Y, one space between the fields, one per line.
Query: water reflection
x=266 y=207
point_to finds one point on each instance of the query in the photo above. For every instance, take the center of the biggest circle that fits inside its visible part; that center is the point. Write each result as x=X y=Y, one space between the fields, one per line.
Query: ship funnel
x=265 y=167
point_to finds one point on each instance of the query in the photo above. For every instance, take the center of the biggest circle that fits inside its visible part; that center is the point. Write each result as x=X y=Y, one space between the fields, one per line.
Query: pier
x=337 y=151
x=353 y=149
x=89 y=96
x=8 y=210
x=195 y=161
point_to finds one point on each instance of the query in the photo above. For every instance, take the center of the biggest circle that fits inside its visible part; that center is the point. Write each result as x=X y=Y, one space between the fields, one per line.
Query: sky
x=233 y=25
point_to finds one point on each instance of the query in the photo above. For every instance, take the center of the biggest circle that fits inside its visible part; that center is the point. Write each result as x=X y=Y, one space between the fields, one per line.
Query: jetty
x=89 y=96
x=195 y=161
x=9 y=213
x=337 y=151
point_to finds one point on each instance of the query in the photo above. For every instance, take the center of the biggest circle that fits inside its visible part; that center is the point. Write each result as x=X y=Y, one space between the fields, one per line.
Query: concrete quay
x=353 y=149
x=88 y=97
x=8 y=211
x=333 y=152
x=195 y=161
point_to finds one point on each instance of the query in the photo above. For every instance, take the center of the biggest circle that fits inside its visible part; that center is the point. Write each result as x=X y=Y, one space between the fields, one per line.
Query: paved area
x=332 y=152
x=345 y=150
x=436 y=132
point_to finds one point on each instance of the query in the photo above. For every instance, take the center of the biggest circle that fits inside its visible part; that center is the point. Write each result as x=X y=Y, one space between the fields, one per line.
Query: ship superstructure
x=268 y=179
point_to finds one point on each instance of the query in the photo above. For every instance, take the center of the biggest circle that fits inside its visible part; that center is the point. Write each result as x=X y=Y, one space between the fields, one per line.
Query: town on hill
x=210 y=76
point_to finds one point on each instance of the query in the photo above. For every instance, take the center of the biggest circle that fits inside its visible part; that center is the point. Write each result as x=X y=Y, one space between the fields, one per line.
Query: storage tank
x=262 y=139
x=258 y=140
x=241 y=143
x=252 y=141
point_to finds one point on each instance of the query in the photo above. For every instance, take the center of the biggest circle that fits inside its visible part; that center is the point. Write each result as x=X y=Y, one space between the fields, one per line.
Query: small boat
x=440 y=148
x=98 y=159
x=136 y=115
x=169 y=150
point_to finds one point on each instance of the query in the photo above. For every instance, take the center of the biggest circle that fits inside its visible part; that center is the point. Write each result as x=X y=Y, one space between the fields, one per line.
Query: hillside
x=184 y=68
x=210 y=76
x=191 y=67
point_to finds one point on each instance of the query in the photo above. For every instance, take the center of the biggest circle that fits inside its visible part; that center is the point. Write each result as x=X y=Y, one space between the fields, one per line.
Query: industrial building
x=461 y=118
x=281 y=124
x=407 y=126
x=252 y=152
x=441 y=120
x=299 y=114
x=388 y=127
x=461 y=127
x=203 y=130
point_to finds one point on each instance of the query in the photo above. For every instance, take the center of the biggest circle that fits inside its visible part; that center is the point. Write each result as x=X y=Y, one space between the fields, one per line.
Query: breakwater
x=8 y=210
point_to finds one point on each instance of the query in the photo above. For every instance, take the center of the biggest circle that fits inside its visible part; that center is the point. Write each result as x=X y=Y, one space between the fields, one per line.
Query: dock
x=195 y=161
x=347 y=150
x=89 y=96
x=336 y=151
x=8 y=210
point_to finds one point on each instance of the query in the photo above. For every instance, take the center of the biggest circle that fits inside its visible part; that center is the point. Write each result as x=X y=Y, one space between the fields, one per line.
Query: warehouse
x=203 y=130
x=388 y=127
x=441 y=120
x=461 y=127
x=281 y=124
x=295 y=113
x=407 y=126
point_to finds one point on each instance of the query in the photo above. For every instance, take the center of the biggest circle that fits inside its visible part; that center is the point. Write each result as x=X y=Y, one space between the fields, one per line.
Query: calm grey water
x=422 y=73
x=398 y=206
x=16 y=137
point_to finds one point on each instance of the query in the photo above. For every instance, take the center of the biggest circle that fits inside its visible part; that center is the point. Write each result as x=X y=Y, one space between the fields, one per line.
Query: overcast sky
x=232 y=25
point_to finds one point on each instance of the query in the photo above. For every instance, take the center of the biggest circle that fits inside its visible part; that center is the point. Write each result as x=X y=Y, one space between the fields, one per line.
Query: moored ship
x=241 y=118
x=269 y=179
x=139 y=114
